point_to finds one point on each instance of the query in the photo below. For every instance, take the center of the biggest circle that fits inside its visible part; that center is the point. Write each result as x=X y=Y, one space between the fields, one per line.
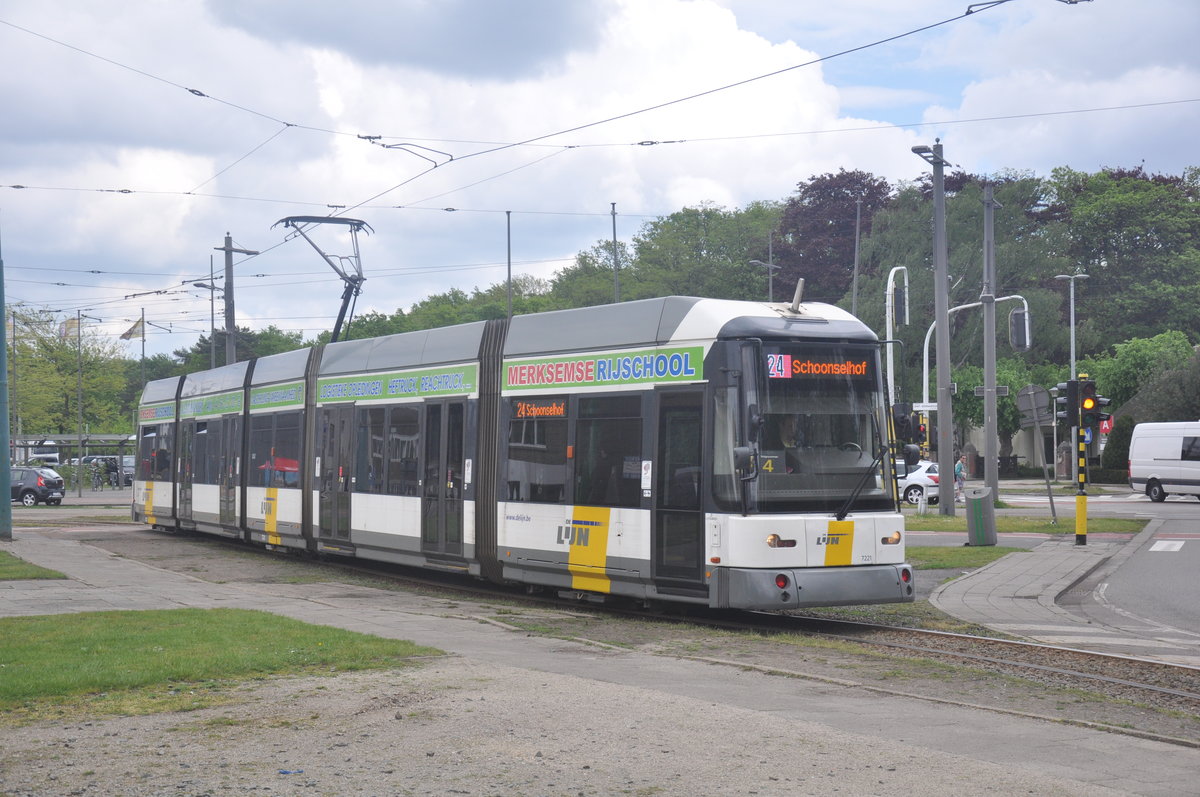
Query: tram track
x=1161 y=684
x=1134 y=696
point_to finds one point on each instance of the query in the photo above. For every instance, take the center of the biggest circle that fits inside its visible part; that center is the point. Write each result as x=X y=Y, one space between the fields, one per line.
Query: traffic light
x=902 y=422
x=1089 y=404
x=1102 y=402
x=918 y=428
x=1068 y=402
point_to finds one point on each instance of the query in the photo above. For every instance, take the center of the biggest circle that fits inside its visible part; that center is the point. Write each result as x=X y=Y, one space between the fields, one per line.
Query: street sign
x=924 y=406
x=1106 y=426
x=1034 y=404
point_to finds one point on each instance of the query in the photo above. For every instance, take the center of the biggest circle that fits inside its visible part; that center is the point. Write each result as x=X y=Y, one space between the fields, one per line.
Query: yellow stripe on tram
x=271 y=516
x=839 y=543
x=148 y=507
x=587 y=533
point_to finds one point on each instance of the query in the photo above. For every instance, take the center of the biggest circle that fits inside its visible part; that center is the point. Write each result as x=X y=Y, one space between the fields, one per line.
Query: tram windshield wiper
x=858 y=488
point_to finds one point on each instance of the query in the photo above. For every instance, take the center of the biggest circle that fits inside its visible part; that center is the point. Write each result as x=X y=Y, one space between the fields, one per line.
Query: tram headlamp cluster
x=775 y=541
x=891 y=539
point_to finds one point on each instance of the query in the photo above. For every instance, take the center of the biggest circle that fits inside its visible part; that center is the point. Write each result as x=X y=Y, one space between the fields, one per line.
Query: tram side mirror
x=912 y=454
x=756 y=421
x=744 y=462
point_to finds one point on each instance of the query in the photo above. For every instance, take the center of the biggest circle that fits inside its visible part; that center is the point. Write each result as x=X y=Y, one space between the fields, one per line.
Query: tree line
x=1133 y=233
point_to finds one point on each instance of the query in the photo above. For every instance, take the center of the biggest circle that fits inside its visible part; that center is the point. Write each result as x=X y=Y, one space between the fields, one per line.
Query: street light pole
x=771 y=269
x=941 y=301
x=1071 y=279
x=79 y=316
x=212 y=319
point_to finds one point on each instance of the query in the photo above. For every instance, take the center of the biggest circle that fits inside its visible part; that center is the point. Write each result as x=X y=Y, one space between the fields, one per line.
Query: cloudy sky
x=135 y=135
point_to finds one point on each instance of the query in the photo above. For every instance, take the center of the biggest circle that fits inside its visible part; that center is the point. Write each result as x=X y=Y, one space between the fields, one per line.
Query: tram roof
x=407 y=349
x=672 y=318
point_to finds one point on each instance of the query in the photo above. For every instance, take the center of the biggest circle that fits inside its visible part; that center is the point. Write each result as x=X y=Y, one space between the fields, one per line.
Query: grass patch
x=14 y=569
x=943 y=557
x=148 y=661
x=1024 y=524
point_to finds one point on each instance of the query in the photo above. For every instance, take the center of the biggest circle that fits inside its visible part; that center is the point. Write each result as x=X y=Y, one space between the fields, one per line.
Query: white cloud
x=289 y=90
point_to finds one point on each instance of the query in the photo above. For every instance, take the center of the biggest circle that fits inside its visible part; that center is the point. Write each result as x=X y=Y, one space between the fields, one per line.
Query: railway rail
x=1159 y=685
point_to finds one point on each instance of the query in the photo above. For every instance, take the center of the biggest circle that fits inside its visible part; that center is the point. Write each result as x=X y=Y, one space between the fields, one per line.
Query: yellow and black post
x=1088 y=418
x=1081 y=491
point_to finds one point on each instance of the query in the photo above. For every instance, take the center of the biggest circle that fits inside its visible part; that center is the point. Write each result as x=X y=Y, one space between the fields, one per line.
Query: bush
x=1108 y=476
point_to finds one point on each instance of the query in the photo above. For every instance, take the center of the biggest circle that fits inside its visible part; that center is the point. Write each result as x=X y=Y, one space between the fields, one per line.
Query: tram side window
x=275 y=449
x=608 y=451
x=371 y=464
x=154 y=453
x=537 y=451
x=287 y=447
x=262 y=429
x=202 y=460
x=403 y=439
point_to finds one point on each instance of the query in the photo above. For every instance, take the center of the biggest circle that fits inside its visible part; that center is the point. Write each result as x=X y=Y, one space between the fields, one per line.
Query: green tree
x=706 y=251
x=1135 y=363
x=1116 y=451
x=1136 y=236
x=1171 y=395
x=250 y=344
x=589 y=280
x=818 y=226
x=1028 y=254
x=51 y=363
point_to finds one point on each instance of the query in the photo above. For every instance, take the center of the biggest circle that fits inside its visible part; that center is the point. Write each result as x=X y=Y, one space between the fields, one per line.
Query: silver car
x=920 y=479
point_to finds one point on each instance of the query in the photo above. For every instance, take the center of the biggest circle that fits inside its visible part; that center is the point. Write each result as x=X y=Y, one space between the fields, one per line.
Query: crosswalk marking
x=1167 y=545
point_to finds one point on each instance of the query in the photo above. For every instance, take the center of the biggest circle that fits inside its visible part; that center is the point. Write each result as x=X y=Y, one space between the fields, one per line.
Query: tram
x=723 y=453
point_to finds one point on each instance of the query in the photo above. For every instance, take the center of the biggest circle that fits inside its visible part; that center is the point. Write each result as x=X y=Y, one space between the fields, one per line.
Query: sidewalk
x=1023 y=594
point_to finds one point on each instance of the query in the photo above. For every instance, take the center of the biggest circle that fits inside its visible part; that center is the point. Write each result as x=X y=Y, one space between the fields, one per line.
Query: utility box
x=981 y=516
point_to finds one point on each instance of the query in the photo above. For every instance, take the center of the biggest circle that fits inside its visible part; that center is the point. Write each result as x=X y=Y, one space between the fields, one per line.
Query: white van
x=1164 y=458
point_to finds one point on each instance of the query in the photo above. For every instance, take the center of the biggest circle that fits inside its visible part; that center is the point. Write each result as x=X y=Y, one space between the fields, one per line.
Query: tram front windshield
x=822 y=422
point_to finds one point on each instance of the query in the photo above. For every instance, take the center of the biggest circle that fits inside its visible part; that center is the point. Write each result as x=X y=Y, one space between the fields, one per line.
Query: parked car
x=920 y=479
x=32 y=486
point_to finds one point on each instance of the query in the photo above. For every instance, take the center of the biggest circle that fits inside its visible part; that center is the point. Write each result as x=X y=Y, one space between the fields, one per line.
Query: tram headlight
x=891 y=539
x=775 y=541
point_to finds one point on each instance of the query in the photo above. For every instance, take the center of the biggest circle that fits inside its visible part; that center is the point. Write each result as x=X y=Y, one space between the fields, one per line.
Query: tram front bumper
x=797 y=588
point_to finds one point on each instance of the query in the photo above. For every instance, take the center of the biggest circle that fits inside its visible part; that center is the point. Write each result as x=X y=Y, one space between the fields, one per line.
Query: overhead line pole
x=941 y=297
x=230 y=326
x=5 y=439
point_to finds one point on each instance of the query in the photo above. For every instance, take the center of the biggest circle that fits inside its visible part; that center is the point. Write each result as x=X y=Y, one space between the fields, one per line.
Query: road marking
x=1167 y=545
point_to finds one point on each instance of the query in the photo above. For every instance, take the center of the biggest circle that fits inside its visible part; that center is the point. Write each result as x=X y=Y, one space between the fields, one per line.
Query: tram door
x=442 y=490
x=229 y=440
x=187 y=470
x=678 y=550
x=335 y=433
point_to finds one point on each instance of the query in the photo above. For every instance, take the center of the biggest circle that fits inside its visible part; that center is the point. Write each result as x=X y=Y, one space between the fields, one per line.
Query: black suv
x=32 y=486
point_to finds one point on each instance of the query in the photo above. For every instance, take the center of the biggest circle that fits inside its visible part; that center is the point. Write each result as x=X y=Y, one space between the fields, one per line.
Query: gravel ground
x=458 y=726
x=473 y=728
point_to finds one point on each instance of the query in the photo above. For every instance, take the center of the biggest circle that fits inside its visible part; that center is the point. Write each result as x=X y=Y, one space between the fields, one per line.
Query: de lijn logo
x=575 y=532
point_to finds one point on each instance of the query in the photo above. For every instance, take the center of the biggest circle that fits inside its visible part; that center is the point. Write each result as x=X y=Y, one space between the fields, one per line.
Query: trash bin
x=981 y=516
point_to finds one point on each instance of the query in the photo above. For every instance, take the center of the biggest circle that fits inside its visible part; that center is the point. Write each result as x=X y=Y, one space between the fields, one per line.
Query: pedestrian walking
x=960 y=478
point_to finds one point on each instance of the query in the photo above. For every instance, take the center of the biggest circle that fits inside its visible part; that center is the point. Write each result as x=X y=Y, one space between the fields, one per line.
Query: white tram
x=730 y=454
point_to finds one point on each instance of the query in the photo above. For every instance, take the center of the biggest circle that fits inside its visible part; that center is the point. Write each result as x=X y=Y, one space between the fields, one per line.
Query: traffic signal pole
x=1081 y=490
